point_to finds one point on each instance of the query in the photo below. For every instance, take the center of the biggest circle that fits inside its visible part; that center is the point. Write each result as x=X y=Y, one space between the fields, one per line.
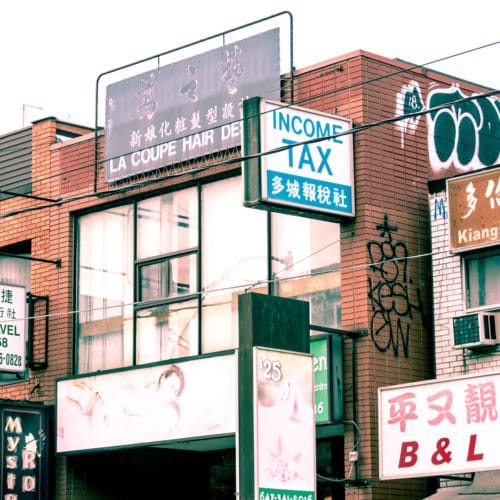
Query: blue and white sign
x=312 y=167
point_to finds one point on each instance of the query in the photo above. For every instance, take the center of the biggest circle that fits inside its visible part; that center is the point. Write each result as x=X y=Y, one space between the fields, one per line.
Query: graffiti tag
x=464 y=134
x=389 y=292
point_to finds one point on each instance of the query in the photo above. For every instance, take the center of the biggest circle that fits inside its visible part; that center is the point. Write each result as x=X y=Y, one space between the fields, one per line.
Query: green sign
x=319 y=350
x=273 y=494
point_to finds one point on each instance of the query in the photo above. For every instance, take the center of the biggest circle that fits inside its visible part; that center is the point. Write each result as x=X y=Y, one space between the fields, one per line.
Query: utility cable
x=241 y=158
x=305 y=100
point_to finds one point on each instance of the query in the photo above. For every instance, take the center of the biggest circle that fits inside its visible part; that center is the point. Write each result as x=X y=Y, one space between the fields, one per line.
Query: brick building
x=93 y=258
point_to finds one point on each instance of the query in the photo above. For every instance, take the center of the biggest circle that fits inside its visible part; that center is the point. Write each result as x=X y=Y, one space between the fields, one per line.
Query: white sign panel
x=285 y=431
x=12 y=328
x=195 y=398
x=439 y=427
x=315 y=175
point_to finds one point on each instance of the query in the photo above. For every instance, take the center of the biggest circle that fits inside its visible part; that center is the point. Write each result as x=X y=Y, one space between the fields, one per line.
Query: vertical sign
x=284 y=427
x=24 y=452
x=320 y=352
x=12 y=328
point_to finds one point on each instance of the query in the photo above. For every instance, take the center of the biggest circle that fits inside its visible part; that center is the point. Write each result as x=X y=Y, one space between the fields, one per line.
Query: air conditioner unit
x=476 y=331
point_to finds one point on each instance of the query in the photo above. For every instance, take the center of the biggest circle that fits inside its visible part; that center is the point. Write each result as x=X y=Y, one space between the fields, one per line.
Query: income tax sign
x=12 y=328
x=308 y=160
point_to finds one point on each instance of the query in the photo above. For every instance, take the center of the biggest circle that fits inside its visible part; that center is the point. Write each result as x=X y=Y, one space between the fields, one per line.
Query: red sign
x=437 y=427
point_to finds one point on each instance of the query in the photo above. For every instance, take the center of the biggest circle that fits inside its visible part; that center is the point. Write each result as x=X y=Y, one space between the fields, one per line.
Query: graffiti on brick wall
x=461 y=135
x=440 y=211
x=408 y=101
x=465 y=134
x=389 y=290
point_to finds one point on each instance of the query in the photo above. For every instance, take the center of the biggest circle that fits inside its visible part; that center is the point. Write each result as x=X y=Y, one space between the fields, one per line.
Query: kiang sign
x=24 y=451
x=189 y=108
x=436 y=428
x=297 y=160
x=474 y=205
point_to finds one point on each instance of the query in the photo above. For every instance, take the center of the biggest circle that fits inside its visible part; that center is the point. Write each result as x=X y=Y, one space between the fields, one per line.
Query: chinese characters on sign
x=12 y=328
x=189 y=108
x=436 y=428
x=474 y=206
x=306 y=160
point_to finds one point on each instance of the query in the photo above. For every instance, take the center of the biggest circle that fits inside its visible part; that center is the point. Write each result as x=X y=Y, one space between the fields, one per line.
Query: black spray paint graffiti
x=389 y=292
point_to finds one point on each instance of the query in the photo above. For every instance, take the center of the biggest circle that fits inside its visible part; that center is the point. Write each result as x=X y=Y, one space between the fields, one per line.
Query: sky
x=53 y=51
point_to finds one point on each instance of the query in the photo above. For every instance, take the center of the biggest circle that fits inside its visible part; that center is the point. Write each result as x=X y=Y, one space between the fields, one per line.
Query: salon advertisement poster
x=285 y=437
x=154 y=404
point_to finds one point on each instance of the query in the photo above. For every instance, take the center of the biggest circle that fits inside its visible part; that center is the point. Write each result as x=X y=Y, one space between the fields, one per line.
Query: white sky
x=52 y=51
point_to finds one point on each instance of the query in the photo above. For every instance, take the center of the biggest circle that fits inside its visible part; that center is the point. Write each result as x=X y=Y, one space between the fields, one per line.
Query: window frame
x=141 y=303
x=466 y=258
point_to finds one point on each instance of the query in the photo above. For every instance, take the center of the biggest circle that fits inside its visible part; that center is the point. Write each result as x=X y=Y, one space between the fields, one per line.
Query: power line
x=305 y=100
x=240 y=158
x=202 y=293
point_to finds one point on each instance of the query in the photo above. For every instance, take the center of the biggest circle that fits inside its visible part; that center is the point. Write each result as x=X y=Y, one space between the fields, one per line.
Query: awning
x=485 y=486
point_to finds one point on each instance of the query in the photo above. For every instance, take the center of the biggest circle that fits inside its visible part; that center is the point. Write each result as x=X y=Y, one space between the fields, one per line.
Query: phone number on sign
x=10 y=359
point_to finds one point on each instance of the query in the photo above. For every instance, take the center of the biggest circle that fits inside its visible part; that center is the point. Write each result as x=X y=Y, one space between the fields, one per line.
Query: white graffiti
x=408 y=101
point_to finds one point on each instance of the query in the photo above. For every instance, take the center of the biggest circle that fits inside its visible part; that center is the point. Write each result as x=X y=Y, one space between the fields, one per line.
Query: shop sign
x=284 y=428
x=24 y=452
x=437 y=428
x=321 y=365
x=169 y=401
x=189 y=108
x=474 y=206
x=303 y=160
x=12 y=328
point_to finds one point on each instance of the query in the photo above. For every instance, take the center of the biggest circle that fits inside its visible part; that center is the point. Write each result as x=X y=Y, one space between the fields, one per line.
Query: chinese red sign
x=437 y=427
x=474 y=204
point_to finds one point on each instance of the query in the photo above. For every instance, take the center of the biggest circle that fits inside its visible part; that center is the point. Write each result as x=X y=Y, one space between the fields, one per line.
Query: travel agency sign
x=297 y=160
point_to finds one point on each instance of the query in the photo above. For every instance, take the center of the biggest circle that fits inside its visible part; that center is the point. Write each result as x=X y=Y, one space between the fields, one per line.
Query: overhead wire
x=241 y=158
x=283 y=105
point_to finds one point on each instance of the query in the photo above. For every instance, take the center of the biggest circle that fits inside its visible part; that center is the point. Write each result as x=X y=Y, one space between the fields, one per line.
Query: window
x=105 y=290
x=306 y=265
x=482 y=280
x=234 y=259
x=160 y=278
x=15 y=271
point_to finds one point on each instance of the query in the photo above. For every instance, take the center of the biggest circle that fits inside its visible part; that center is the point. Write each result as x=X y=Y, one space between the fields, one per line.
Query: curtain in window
x=105 y=302
x=234 y=258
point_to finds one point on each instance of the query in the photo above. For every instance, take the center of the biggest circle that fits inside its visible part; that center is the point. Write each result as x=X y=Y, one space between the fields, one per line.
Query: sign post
x=275 y=388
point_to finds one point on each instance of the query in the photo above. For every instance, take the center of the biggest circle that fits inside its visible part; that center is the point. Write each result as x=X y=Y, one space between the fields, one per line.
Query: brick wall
x=449 y=301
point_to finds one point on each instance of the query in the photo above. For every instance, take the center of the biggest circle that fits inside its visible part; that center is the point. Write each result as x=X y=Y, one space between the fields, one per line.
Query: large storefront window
x=234 y=259
x=105 y=289
x=160 y=278
x=305 y=263
x=483 y=280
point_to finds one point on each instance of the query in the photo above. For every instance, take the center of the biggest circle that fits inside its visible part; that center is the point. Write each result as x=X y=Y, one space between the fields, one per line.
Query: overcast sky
x=52 y=51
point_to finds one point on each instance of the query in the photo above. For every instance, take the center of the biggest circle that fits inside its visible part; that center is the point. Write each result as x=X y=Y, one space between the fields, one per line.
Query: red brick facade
x=385 y=253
